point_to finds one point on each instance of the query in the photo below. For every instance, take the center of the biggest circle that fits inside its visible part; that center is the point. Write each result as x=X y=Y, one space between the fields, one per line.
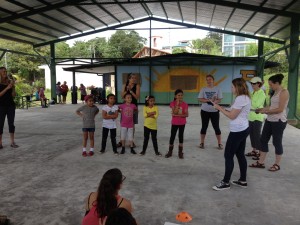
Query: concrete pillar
x=293 y=67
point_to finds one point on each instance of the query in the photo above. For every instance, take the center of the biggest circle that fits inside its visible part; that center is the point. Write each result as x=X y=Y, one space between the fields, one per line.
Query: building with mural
x=162 y=75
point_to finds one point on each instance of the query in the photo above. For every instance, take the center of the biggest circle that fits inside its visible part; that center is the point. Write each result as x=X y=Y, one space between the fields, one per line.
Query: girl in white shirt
x=239 y=130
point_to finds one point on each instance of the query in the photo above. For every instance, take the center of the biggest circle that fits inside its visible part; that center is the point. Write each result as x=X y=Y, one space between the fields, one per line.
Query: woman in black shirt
x=7 y=106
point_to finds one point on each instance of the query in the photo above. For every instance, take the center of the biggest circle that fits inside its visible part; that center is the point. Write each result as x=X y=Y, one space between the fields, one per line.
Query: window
x=184 y=82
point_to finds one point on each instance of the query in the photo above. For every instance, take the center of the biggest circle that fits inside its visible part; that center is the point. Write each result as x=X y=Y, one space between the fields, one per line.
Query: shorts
x=88 y=129
x=126 y=134
x=135 y=117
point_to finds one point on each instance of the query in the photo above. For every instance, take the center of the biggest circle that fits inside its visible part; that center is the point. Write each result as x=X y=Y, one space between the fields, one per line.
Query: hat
x=255 y=80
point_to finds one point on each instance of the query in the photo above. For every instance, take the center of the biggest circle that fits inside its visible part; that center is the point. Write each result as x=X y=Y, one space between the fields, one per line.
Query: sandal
x=255 y=158
x=252 y=153
x=274 y=168
x=1 y=146
x=13 y=145
x=220 y=146
x=201 y=145
x=257 y=165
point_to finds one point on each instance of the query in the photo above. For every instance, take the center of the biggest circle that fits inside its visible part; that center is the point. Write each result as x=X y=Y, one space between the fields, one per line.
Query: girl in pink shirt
x=179 y=114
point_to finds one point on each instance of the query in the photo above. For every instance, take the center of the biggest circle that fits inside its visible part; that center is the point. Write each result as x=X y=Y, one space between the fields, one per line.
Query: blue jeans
x=235 y=145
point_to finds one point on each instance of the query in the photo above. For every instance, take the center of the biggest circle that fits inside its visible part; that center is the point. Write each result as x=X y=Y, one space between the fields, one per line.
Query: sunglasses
x=123 y=178
x=254 y=83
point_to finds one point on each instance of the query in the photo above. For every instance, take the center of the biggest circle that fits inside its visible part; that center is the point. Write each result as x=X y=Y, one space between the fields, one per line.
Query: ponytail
x=107 y=191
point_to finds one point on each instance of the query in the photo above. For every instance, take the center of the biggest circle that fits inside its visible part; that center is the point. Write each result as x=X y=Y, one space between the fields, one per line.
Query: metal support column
x=150 y=62
x=293 y=68
x=53 y=71
x=260 y=60
x=74 y=89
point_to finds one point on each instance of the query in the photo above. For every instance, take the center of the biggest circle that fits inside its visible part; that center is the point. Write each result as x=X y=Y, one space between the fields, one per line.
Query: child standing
x=150 y=124
x=179 y=114
x=109 y=114
x=88 y=113
x=127 y=110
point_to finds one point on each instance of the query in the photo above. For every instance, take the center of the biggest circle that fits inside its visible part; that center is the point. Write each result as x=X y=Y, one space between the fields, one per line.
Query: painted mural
x=165 y=80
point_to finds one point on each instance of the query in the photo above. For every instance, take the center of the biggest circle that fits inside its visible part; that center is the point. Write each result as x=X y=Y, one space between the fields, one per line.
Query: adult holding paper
x=207 y=95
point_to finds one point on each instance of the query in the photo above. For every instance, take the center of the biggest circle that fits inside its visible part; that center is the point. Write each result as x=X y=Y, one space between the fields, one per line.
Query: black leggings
x=235 y=145
x=113 y=134
x=214 y=117
x=147 y=133
x=8 y=111
x=174 y=129
x=274 y=129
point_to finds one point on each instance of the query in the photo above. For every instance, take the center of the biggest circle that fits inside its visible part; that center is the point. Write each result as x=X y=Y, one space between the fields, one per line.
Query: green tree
x=81 y=49
x=98 y=47
x=62 y=50
x=206 y=46
x=127 y=43
x=179 y=50
x=217 y=38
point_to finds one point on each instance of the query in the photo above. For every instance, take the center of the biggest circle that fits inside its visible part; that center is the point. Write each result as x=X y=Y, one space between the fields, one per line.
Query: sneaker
x=91 y=153
x=142 y=153
x=221 y=186
x=116 y=152
x=239 y=183
x=132 y=151
x=84 y=154
x=102 y=151
x=122 y=151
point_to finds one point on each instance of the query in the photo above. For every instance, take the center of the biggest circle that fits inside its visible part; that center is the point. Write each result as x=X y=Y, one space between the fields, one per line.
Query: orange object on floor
x=183 y=217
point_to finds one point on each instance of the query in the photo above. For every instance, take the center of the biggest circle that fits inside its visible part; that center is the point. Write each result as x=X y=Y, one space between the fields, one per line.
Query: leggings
x=113 y=133
x=255 y=129
x=8 y=111
x=235 y=145
x=147 y=133
x=174 y=129
x=214 y=117
x=274 y=129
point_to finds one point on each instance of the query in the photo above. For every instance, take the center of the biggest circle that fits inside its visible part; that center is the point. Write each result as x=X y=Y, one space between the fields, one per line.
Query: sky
x=170 y=36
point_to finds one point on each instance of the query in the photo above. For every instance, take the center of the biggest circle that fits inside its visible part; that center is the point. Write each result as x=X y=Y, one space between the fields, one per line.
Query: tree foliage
x=178 y=50
x=210 y=45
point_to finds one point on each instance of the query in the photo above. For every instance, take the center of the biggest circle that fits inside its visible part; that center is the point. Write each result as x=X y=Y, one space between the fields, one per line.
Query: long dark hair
x=107 y=190
x=147 y=98
x=120 y=216
x=128 y=78
x=277 y=78
x=177 y=92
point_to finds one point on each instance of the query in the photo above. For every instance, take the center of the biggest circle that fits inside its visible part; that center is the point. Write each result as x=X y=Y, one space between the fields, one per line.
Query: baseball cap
x=255 y=80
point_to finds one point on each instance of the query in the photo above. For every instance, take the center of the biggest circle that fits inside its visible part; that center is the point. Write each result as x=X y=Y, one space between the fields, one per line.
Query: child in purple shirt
x=179 y=114
x=127 y=109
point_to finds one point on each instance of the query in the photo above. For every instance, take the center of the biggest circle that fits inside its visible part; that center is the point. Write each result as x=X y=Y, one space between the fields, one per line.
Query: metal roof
x=40 y=22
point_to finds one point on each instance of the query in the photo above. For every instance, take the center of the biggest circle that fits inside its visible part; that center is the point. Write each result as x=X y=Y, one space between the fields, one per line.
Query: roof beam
x=165 y=12
x=147 y=10
x=180 y=11
x=214 y=2
x=15 y=39
x=280 y=29
x=67 y=14
x=38 y=10
x=250 y=18
x=231 y=14
x=91 y=15
x=212 y=16
x=22 y=34
x=93 y=32
x=274 y=17
x=20 y=53
x=122 y=7
x=105 y=10
x=218 y=30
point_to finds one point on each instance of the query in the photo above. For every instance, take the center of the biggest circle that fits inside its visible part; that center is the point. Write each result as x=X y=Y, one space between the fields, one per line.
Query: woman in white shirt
x=239 y=130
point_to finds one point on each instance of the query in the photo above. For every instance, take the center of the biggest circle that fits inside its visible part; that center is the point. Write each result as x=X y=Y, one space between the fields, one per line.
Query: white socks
x=83 y=149
x=91 y=149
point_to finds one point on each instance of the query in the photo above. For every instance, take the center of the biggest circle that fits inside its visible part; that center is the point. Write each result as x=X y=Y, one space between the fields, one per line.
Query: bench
x=30 y=101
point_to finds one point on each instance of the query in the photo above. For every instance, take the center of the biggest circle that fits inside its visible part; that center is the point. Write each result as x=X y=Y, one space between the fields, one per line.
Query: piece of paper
x=168 y=223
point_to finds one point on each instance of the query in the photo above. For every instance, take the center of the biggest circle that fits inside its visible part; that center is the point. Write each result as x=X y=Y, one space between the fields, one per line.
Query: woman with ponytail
x=101 y=203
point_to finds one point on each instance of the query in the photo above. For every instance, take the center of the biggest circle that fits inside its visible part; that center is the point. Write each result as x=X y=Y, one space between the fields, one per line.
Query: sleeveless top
x=91 y=216
x=274 y=105
x=6 y=99
x=134 y=100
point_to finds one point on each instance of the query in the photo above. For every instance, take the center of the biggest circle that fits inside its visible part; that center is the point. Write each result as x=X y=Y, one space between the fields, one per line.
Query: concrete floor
x=46 y=180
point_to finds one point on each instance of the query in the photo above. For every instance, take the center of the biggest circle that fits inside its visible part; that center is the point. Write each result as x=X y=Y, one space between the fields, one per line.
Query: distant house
x=185 y=44
x=145 y=52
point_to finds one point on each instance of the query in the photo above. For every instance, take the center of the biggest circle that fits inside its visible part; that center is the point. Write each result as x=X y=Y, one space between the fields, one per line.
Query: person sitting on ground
x=120 y=216
x=101 y=203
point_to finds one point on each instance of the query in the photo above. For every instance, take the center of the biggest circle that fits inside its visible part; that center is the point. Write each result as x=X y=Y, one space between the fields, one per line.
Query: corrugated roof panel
x=31 y=3
x=284 y=34
x=221 y=16
x=136 y=10
x=101 y=14
x=252 y=2
x=295 y=7
x=54 y=24
x=277 y=4
x=188 y=11
x=118 y=12
x=21 y=37
x=25 y=31
x=172 y=10
x=12 y=7
x=156 y=9
x=238 y=19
